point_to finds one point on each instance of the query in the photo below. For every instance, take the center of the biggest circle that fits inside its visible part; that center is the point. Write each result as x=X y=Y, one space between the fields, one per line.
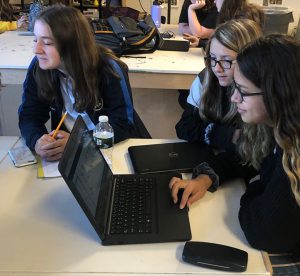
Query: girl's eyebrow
x=45 y=37
x=223 y=56
x=240 y=85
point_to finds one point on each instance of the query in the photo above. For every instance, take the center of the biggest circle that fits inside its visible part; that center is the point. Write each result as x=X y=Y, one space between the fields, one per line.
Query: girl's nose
x=37 y=47
x=218 y=67
x=235 y=97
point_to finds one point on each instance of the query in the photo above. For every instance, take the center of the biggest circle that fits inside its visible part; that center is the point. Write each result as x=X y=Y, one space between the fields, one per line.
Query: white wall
x=136 y=5
x=175 y=11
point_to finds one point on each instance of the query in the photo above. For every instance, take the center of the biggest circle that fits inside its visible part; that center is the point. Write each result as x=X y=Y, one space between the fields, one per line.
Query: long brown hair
x=209 y=4
x=234 y=35
x=233 y=9
x=6 y=11
x=272 y=64
x=86 y=62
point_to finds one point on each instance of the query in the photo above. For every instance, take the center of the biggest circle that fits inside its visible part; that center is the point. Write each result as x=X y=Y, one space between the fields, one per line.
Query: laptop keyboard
x=132 y=209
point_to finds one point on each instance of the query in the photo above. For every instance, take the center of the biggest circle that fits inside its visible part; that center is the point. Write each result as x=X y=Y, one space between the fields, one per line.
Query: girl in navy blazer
x=71 y=73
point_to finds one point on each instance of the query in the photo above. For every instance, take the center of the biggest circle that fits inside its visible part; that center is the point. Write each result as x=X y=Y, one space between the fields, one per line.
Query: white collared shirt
x=195 y=92
x=66 y=88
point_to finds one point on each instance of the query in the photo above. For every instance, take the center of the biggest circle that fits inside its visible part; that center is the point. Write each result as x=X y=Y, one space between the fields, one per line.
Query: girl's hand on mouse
x=194 y=189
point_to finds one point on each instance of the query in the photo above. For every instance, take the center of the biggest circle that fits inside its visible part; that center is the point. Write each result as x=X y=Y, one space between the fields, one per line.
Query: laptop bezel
x=99 y=224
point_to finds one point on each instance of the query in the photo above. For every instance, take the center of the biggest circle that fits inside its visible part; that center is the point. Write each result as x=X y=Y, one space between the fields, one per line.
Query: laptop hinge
x=110 y=209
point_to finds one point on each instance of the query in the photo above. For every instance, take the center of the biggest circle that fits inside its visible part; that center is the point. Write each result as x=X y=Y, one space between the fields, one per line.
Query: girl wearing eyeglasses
x=267 y=92
x=219 y=123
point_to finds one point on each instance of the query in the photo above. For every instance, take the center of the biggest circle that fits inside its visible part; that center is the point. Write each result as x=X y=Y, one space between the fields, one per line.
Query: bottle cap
x=156 y=3
x=103 y=119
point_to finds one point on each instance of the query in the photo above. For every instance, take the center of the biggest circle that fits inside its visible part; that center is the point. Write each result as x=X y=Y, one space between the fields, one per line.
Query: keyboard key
x=132 y=211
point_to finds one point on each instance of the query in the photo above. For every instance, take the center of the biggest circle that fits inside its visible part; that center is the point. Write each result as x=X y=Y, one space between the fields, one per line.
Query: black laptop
x=123 y=209
x=169 y=157
x=172 y=44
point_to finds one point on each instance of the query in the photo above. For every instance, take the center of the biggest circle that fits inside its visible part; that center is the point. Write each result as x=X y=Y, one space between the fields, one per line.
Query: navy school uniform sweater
x=117 y=105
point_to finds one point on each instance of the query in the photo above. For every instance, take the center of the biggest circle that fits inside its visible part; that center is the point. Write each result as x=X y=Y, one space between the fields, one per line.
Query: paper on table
x=47 y=169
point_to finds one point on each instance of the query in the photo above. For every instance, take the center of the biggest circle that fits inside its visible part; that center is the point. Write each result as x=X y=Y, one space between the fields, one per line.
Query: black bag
x=126 y=35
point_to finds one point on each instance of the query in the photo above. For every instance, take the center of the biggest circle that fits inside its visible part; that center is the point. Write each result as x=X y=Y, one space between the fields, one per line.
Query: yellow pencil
x=59 y=125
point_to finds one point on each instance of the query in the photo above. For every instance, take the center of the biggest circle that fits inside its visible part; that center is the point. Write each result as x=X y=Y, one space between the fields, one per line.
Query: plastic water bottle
x=104 y=138
x=156 y=13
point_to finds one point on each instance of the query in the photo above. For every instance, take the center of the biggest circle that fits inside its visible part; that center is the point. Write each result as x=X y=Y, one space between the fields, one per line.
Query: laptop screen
x=87 y=174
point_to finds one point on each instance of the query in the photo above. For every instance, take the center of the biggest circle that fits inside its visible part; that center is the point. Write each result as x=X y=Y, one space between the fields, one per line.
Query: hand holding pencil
x=59 y=125
x=51 y=146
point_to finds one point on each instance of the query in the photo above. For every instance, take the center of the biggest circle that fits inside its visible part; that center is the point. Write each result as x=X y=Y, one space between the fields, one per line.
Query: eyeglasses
x=244 y=94
x=225 y=64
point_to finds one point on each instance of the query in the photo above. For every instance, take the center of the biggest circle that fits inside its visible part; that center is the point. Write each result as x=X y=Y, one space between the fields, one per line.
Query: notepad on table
x=47 y=169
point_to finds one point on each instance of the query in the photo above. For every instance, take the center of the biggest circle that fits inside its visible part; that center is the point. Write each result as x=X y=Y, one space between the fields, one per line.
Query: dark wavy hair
x=86 y=62
x=209 y=4
x=232 y=9
x=272 y=64
x=6 y=11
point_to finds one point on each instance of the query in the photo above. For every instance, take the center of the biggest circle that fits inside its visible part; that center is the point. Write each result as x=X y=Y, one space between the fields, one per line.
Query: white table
x=44 y=232
x=161 y=69
x=6 y=142
x=15 y=56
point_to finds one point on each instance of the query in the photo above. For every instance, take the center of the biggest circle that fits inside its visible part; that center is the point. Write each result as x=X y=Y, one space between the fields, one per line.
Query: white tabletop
x=15 y=50
x=43 y=230
x=6 y=142
x=16 y=54
x=169 y=62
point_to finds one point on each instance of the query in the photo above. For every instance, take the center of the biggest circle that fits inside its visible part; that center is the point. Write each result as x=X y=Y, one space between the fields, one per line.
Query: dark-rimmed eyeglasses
x=224 y=63
x=244 y=94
